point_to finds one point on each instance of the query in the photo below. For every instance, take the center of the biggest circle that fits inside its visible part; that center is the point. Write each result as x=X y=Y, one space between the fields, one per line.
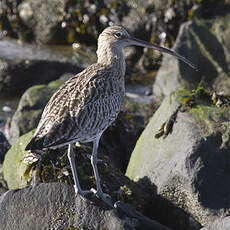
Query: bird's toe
x=104 y=196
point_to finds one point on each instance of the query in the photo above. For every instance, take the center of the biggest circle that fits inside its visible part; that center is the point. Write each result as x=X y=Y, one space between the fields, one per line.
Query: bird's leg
x=77 y=187
x=105 y=197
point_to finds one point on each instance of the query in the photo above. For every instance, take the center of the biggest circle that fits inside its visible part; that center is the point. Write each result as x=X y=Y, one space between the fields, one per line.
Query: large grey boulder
x=205 y=43
x=54 y=206
x=190 y=166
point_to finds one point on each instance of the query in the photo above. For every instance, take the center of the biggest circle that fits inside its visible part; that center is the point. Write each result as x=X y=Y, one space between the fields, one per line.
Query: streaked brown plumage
x=83 y=107
x=88 y=103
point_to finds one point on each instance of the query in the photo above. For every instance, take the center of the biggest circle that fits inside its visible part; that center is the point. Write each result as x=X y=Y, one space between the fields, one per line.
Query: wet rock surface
x=189 y=162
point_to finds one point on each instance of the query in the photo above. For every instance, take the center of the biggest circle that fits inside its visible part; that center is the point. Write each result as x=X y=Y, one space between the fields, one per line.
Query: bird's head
x=118 y=37
x=114 y=36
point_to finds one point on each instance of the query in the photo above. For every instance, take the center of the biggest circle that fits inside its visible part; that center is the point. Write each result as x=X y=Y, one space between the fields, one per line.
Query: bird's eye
x=117 y=34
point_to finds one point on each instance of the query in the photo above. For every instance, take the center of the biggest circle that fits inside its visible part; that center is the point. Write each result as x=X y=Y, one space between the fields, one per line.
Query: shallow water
x=10 y=49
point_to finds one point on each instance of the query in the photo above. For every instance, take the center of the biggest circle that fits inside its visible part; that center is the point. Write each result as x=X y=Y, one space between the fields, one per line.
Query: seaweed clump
x=188 y=100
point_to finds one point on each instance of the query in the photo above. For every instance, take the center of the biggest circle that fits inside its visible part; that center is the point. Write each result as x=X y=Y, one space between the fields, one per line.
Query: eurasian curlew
x=89 y=102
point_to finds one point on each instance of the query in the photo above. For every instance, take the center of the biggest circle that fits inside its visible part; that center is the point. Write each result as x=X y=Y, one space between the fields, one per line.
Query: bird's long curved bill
x=145 y=44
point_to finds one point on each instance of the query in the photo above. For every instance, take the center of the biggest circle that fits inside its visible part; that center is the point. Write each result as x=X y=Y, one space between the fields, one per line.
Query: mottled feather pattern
x=88 y=103
x=82 y=108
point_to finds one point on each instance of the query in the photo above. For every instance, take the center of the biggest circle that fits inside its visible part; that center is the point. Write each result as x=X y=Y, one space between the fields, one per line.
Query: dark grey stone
x=53 y=206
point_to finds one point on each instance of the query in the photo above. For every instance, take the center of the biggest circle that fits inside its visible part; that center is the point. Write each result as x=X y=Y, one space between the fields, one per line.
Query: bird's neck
x=112 y=56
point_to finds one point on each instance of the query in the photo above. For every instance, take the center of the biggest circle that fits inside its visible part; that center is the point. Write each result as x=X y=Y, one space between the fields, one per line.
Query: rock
x=4 y=146
x=196 y=41
x=59 y=209
x=13 y=166
x=42 y=18
x=27 y=65
x=190 y=165
x=30 y=108
x=219 y=224
x=165 y=212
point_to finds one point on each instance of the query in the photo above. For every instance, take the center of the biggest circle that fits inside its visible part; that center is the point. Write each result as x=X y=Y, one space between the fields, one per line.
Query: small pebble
x=65 y=173
x=6 y=108
x=75 y=46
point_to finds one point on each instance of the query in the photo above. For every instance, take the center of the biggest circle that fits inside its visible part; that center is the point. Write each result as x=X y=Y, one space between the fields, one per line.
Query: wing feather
x=83 y=106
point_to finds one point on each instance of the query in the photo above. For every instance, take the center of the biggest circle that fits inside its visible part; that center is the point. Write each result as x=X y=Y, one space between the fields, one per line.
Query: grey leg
x=77 y=186
x=94 y=160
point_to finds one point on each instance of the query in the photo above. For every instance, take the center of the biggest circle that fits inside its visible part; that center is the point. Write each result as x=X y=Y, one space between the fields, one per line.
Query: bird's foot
x=105 y=197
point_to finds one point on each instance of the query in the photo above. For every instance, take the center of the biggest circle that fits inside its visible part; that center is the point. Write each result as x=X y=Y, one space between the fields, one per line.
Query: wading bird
x=85 y=105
